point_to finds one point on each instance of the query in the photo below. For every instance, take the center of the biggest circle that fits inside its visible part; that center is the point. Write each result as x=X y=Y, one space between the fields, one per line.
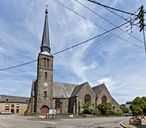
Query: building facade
x=13 y=104
x=47 y=95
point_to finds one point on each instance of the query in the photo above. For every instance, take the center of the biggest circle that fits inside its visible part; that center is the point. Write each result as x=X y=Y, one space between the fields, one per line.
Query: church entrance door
x=44 y=110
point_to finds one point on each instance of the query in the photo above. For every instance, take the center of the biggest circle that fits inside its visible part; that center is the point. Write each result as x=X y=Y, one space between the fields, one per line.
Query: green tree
x=138 y=106
x=124 y=109
x=136 y=110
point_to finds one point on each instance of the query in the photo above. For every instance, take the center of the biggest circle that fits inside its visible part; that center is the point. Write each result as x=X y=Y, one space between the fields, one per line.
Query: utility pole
x=142 y=24
x=141 y=18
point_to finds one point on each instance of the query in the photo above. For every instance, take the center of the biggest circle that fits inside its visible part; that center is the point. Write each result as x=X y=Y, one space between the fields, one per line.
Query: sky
x=117 y=58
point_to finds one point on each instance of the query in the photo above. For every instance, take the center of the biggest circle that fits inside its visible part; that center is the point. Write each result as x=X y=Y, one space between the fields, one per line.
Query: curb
x=124 y=126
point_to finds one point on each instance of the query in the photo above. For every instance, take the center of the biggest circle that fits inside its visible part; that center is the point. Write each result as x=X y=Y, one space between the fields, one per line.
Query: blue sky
x=118 y=63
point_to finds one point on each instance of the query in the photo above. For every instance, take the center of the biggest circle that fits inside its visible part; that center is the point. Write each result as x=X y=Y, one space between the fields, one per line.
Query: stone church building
x=48 y=96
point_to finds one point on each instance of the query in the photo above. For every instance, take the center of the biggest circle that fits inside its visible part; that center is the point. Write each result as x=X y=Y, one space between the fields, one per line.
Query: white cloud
x=120 y=66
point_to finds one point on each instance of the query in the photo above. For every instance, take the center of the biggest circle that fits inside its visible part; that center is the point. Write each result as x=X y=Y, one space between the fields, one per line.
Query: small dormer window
x=7 y=99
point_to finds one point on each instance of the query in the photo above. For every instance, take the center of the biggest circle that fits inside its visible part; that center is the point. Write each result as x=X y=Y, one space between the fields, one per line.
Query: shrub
x=104 y=108
x=90 y=109
x=119 y=112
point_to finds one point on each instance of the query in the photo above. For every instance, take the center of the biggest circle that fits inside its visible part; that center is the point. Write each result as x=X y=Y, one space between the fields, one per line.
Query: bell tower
x=44 y=83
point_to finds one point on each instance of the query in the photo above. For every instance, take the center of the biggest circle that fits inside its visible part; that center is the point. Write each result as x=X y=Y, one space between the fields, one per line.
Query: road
x=24 y=122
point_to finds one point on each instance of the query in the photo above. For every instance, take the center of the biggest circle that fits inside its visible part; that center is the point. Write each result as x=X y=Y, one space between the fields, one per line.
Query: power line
x=96 y=47
x=83 y=42
x=109 y=22
x=98 y=25
x=112 y=8
x=120 y=15
x=90 y=39
x=19 y=65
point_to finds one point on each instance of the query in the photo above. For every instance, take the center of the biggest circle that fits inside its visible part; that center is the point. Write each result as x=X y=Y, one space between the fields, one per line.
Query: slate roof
x=98 y=89
x=63 y=90
x=45 y=46
x=13 y=99
x=77 y=89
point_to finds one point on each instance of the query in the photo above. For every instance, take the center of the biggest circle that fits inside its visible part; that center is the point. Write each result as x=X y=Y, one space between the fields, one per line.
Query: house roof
x=99 y=88
x=13 y=99
x=78 y=88
x=62 y=90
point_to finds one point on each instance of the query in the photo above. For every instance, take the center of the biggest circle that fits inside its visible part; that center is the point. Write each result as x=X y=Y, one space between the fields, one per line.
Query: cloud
x=109 y=60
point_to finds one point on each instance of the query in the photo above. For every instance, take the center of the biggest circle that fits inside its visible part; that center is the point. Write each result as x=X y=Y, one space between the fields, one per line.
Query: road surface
x=25 y=122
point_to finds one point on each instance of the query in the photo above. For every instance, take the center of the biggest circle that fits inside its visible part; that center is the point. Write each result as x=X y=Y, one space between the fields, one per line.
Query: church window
x=47 y=62
x=45 y=94
x=46 y=74
x=87 y=98
x=113 y=107
x=44 y=62
x=104 y=99
x=58 y=103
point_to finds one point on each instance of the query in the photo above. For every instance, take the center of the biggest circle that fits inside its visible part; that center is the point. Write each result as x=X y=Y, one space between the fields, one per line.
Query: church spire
x=45 y=46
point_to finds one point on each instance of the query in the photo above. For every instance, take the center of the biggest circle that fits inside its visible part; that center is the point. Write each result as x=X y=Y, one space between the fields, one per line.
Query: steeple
x=45 y=46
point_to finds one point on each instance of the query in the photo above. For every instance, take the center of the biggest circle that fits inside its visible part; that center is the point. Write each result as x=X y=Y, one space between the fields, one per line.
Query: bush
x=90 y=109
x=104 y=108
x=119 y=112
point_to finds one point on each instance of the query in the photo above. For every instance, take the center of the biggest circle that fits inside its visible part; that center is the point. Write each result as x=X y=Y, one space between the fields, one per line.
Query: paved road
x=24 y=122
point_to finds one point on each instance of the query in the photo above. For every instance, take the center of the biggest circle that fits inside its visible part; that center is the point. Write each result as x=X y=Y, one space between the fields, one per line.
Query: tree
x=136 y=110
x=124 y=109
x=138 y=106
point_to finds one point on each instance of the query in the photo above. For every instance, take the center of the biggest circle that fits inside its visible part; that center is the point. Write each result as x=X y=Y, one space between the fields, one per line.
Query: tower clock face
x=45 y=84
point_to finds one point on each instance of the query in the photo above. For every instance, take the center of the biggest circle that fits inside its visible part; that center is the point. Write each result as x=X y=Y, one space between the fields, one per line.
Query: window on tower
x=47 y=62
x=44 y=62
x=46 y=74
x=45 y=94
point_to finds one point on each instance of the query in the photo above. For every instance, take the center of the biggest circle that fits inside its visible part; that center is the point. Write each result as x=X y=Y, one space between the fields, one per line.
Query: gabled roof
x=13 y=99
x=78 y=88
x=62 y=90
x=99 y=88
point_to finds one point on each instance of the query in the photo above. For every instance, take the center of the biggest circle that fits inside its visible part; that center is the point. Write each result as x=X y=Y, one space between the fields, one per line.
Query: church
x=63 y=98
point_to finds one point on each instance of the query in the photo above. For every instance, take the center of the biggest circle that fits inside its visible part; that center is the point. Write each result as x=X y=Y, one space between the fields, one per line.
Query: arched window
x=45 y=94
x=47 y=62
x=46 y=75
x=114 y=108
x=104 y=99
x=87 y=98
x=58 y=103
x=44 y=62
